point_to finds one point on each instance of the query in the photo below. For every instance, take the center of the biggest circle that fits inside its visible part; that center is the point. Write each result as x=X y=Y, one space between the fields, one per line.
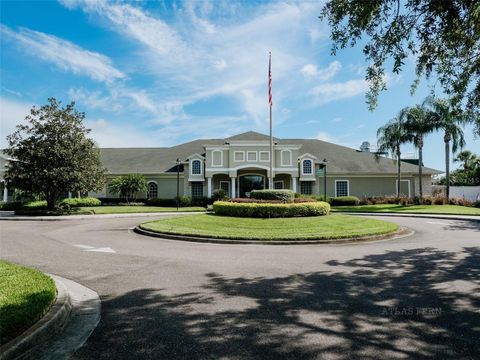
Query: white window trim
x=191 y=167
x=279 y=181
x=313 y=165
x=221 y=158
x=228 y=185
x=348 y=186
x=282 y=163
x=263 y=152
x=235 y=156
x=409 y=187
x=252 y=152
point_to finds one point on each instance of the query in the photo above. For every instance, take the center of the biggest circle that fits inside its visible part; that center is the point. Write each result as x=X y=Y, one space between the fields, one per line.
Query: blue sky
x=161 y=73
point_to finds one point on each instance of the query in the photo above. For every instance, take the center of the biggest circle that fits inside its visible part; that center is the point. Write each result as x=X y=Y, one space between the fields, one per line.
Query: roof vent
x=365 y=147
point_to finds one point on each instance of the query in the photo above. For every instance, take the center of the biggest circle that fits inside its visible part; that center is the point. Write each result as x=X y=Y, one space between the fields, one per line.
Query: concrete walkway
x=426 y=216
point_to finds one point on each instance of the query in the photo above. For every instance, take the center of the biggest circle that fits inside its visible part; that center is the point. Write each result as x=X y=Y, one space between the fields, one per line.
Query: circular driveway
x=415 y=297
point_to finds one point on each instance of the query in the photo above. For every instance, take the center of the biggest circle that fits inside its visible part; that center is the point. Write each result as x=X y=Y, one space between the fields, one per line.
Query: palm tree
x=389 y=139
x=467 y=158
x=450 y=121
x=418 y=123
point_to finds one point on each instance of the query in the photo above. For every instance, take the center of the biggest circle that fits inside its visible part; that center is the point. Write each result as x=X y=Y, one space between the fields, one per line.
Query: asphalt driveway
x=416 y=297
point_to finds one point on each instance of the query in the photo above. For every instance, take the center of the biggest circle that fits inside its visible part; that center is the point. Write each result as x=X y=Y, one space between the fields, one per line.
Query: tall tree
x=450 y=121
x=390 y=138
x=442 y=36
x=52 y=154
x=418 y=123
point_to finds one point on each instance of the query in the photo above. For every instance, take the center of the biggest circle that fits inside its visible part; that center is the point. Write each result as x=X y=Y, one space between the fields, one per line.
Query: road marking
x=84 y=246
x=104 y=250
x=436 y=222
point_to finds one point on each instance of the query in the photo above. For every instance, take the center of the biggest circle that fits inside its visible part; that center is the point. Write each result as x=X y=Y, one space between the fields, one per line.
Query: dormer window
x=196 y=167
x=307 y=167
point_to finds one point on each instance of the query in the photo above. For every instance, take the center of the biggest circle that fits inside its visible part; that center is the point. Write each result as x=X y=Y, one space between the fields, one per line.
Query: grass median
x=25 y=296
x=296 y=228
x=411 y=209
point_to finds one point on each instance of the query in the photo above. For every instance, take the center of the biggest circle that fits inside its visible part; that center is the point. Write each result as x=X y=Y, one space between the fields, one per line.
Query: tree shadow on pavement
x=420 y=303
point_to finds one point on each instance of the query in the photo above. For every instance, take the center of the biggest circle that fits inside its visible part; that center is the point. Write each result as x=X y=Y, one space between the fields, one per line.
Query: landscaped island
x=293 y=228
x=25 y=296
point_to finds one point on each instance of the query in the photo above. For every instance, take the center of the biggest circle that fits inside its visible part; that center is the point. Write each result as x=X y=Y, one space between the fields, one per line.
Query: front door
x=250 y=182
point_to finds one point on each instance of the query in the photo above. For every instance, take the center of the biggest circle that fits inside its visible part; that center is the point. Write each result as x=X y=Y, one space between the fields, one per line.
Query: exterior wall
x=426 y=183
x=286 y=180
x=363 y=186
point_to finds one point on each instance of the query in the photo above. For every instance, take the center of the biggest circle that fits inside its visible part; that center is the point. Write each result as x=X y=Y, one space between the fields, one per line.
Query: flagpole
x=270 y=179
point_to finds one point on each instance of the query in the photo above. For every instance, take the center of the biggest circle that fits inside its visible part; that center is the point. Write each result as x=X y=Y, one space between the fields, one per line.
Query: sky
x=159 y=73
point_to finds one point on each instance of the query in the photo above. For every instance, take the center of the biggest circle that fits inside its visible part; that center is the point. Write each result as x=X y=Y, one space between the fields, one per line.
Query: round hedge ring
x=268 y=210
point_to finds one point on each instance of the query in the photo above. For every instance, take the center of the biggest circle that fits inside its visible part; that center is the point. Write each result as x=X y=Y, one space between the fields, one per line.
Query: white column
x=233 y=187
x=294 y=184
x=5 y=193
x=69 y=194
x=209 y=186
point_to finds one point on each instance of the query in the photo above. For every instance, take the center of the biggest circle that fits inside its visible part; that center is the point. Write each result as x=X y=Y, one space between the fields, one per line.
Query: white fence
x=471 y=193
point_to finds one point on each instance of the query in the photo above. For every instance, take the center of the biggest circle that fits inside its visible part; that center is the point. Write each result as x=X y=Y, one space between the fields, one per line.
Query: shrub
x=201 y=201
x=11 y=206
x=161 y=202
x=304 y=200
x=219 y=195
x=132 y=204
x=427 y=200
x=78 y=202
x=439 y=200
x=282 y=195
x=265 y=210
x=35 y=205
x=185 y=200
x=476 y=204
x=115 y=201
x=464 y=202
x=344 y=201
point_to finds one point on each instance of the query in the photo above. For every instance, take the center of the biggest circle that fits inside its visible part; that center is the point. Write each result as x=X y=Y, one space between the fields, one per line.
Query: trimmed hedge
x=78 y=202
x=269 y=210
x=344 y=201
x=282 y=195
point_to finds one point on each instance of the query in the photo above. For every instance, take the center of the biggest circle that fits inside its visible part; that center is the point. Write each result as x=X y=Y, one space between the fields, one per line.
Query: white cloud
x=12 y=113
x=341 y=90
x=311 y=70
x=324 y=136
x=64 y=54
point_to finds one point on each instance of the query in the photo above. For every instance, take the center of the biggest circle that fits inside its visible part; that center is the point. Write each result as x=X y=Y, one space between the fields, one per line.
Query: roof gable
x=250 y=136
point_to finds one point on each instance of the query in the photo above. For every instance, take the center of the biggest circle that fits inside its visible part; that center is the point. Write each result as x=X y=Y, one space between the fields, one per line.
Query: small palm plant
x=390 y=138
x=446 y=119
x=127 y=186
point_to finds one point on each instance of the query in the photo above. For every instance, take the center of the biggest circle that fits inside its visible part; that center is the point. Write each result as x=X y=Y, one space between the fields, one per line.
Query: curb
x=93 y=216
x=419 y=216
x=64 y=329
x=50 y=324
x=400 y=233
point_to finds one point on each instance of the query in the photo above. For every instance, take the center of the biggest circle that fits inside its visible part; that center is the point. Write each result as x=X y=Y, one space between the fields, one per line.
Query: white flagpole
x=270 y=179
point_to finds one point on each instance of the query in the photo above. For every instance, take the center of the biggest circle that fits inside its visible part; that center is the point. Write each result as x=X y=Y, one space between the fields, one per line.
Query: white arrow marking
x=104 y=250
x=84 y=246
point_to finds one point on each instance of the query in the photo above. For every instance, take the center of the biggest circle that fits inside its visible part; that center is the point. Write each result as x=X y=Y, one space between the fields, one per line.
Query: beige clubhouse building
x=241 y=163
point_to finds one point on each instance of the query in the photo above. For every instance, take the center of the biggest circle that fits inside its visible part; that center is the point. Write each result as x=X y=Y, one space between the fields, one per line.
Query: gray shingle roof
x=341 y=159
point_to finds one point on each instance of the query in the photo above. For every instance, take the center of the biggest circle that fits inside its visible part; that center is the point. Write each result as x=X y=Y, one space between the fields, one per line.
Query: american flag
x=270 y=79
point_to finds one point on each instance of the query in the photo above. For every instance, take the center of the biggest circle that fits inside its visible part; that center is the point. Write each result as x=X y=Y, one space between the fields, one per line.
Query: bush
x=201 y=201
x=131 y=204
x=439 y=200
x=11 y=206
x=35 y=205
x=476 y=204
x=345 y=201
x=219 y=195
x=269 y=210
x=161 y=202
x=115 y=201
x=282 y=195
x=78 y=202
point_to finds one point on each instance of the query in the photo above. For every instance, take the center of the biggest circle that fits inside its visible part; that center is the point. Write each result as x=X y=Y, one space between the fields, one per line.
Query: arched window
x=196 y=167
x=307 y=167
x=152 y=190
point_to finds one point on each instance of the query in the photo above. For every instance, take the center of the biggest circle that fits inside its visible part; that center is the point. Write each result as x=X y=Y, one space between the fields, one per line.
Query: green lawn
x=297 y=228
x=25 y=295
x=413 y=209
x=137 y=209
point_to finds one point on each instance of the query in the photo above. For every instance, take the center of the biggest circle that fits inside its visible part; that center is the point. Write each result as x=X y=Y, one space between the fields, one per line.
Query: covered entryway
x=249 y=182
